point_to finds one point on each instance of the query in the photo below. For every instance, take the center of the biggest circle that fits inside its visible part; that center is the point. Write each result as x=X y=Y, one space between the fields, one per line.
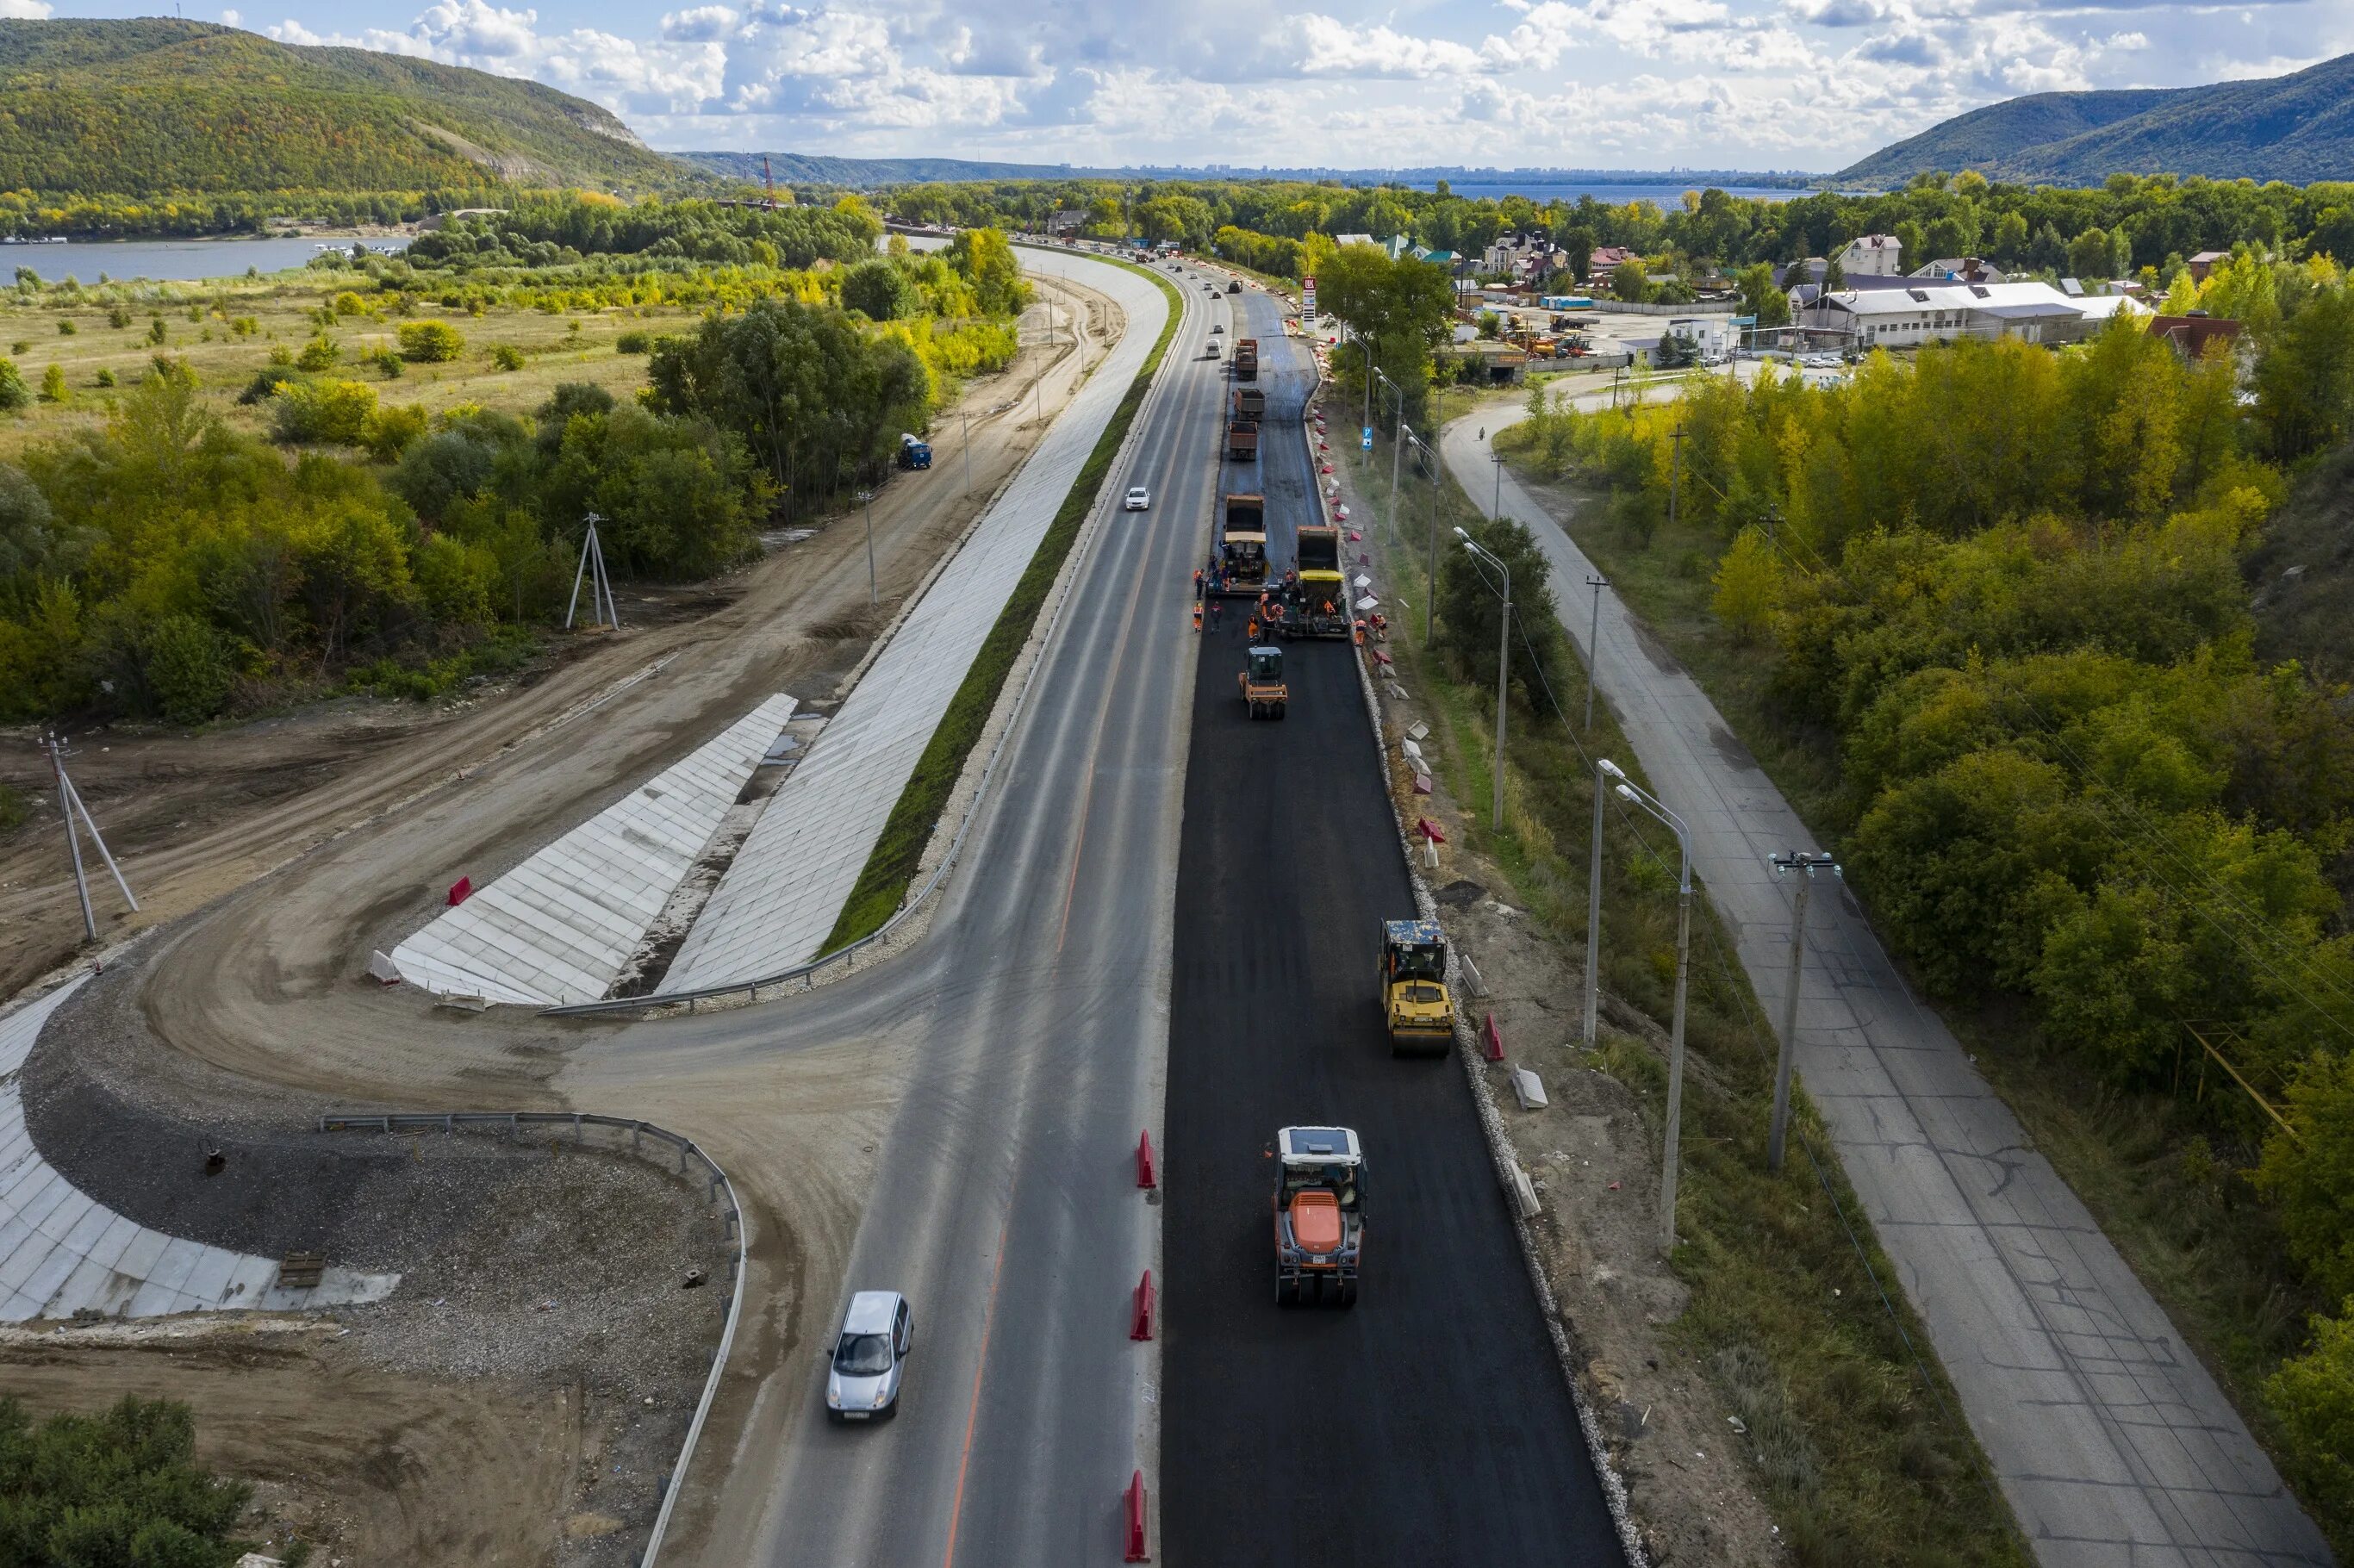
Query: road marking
x=973 y=1416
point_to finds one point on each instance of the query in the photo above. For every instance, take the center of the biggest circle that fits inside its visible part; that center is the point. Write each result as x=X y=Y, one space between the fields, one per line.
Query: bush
x=388 y=432
x=118 y=316
x=430 y=343
x=66 y=327
x=349 y=304
x=2313 y=1395
x=53 y=385
x=388 y=364
x=506 y=356
x=156 y=332
x=188 y=669
x=633 y=343
x=106 y=379
x=14 y=393
x=118 y=1487
x=266 y=383
x=2311 y=1176
x=319 y=354
x=337 y=411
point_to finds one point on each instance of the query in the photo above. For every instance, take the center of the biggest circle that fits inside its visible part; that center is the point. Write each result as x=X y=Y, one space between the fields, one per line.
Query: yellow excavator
x=1416 y=1007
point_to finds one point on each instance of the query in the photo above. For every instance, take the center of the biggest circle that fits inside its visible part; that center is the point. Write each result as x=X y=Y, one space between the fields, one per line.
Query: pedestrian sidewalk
x=2113 y=1444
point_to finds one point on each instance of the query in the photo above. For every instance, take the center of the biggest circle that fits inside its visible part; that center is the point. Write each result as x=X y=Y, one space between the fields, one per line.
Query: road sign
x=1307 y=297
x=1366 y=440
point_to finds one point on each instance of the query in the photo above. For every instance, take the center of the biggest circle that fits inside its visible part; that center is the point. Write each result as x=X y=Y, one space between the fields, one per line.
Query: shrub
x=106 y=378
x=319 y=354
x=388 y=364
x=156 y=330
x=350 y=304
x=245 y=326
x=2311 y=1176
x=188 y=669
x=337 y=411
x=388 y=432
x=118 y=316
x=506 y=356
x=430 y=343
x=20 y=346
x=14 y=393
x=266 y=383
x=120 y=1486
x=2313 y=1395
x=281 y=355
x=53 y=385
x=633 y=343
x=66 y=327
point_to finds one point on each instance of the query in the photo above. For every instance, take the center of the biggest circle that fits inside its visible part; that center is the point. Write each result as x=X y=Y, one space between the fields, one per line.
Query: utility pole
x=1397 y=449
x=1503 y=667
x=1806 y=865
x=1430 y=559
x=964 y=410
x=1603 y=769
x=70 y=806
x=1593 y=641
x=866 y=499
x=1675 y=472
x=1496 y=458
x=600 y=588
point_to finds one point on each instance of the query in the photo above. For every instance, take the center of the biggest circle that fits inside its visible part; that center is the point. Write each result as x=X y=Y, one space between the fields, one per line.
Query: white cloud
x=25 y=10
x=701 y=23
x=230 y=18
x=1333 y=47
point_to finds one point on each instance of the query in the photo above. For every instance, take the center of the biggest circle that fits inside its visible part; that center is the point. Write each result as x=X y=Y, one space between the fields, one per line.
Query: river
x=167 y=261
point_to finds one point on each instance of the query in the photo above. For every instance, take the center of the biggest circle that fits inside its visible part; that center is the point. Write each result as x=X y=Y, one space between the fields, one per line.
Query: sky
x=1636 y=84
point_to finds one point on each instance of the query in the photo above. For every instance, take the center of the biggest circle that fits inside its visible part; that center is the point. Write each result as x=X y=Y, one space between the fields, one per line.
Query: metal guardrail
x=718 y=1187
x=848 y=955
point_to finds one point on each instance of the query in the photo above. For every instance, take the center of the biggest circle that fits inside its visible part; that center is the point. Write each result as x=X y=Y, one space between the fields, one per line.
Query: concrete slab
x=559 y=927
x=62 y=1252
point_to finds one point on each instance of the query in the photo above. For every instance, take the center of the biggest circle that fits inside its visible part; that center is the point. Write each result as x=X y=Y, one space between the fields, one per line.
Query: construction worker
x=1357 y=632
x=1197 y=615
x=1251 y=629
x=1214 y=607
x=1197 y=582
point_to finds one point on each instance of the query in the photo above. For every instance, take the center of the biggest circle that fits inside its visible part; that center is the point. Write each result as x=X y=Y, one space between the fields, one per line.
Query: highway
x=1431 y=1424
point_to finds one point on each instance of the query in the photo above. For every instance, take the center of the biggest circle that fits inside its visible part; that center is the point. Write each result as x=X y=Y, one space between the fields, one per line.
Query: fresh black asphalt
x=1431 y=1424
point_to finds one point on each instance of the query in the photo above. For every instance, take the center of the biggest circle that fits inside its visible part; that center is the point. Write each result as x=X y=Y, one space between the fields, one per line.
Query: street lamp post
x=1430 y=555
x=1597 y=582
x=965 y=412
x=1503 y=667
x=1635 y=795
x=866 y=500
x=1806 y=865
x=1398 y=450
x=1604 y=768
x=1496 y=458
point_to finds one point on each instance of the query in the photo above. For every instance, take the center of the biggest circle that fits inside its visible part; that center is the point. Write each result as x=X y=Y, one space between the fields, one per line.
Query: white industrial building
x=1900 y=318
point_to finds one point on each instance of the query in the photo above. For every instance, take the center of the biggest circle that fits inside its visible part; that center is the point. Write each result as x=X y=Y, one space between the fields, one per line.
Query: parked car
x=863 y=1383
x=1139 y=500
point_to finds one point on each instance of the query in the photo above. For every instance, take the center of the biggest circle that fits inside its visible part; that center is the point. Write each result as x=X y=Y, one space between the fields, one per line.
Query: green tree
x=15 y=395
x=1471 y=610
x=2311 y=1176
x=2304 y=380
x=986 y=260
x=121 y=1488
x=2312 y=1396
x=1630 y=282
x=188 y=669
x=1763 y=298
x=2088 y=255
x=429 y=343
x=1749 y=586
x=880 y=291
x=2009 y=245
x=53 y=385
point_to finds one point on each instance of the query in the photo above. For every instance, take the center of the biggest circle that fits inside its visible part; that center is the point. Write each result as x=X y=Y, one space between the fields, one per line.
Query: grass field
x=241 y=320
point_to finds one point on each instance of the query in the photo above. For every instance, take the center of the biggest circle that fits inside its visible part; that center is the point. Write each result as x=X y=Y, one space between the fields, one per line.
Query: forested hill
x=157 y=107
x=2297 y=128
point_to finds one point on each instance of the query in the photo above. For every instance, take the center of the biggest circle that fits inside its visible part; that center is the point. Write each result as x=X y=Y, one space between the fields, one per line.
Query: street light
x=1496 y=512
x=1603 y=769
x=866 y=499
x=1503 y=666
x=1593 y=640
x=1430 y=557
x=1636 y=795
x=1806 y=865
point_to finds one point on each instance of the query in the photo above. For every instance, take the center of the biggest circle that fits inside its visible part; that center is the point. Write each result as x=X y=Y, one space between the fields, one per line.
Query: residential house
x=1874 y=255
x=2192 y=336
x=1961 y=269
x=1606 y=259
x=1345 y=240
x=2206 y=261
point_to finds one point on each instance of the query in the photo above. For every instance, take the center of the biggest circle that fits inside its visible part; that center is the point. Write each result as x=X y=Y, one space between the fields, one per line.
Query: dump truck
x=1242 y=545
x=1320 y=1216
x=1234 y=285
x=1249 y=403
x=915 y=453
x=1320 y=594
x=1242 y=441
x=1415 y=1007
x=1245 y=360
x=1261 y=679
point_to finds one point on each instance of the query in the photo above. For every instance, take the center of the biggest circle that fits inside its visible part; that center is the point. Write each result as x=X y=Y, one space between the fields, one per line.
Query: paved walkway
x=2114 y=1446
x=62 y=1252
x=778 y=901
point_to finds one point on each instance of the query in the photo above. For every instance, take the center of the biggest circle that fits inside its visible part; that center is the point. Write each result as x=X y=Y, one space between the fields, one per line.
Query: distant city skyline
x=1716 y=85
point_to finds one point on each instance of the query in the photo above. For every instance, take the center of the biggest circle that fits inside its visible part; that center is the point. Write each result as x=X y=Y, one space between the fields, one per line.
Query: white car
x=861 y=1380
x=1139 y=500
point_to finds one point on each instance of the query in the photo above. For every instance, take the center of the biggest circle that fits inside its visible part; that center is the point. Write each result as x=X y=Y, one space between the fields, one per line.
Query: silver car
x=863 y=1383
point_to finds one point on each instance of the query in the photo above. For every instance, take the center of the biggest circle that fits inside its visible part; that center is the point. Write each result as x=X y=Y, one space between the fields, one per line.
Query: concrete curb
x=455 y=1121
x=1500 y=1142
